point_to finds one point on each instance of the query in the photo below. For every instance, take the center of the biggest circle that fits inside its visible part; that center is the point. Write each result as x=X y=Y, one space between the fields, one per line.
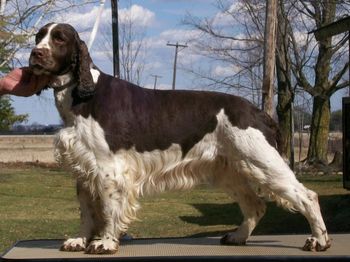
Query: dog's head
x=60 y=52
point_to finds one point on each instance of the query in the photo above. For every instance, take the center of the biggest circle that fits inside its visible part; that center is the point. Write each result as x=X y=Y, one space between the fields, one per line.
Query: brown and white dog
x=123 y=141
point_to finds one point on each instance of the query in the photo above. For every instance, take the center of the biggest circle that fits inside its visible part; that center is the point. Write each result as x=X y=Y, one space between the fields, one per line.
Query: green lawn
x=40 y=202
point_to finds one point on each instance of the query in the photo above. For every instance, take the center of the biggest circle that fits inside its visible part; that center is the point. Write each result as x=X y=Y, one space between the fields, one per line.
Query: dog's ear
x=86 y=86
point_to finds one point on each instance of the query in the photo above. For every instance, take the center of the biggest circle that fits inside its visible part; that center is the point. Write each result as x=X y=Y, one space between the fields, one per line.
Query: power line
x=177 y=45
x=155 y=80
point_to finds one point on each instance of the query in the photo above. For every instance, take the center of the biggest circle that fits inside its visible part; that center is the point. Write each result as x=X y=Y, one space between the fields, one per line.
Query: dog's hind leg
x=253 y=208
x=306 y=202
x=266 y=168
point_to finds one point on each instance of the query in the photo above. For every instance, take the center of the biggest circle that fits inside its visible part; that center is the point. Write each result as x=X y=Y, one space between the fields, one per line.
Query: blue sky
x=162 y=19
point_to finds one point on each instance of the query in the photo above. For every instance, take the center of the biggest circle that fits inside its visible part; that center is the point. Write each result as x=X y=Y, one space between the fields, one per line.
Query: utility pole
x=177 y=45
x=269 y=56
x=155 y=80
x=115 y=38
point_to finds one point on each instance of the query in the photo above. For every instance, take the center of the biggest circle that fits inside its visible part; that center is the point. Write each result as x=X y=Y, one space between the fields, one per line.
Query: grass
x=38 y=202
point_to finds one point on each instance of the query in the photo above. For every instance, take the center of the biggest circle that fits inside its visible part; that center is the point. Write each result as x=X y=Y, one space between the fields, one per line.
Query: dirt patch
x=24 y=165
x=27 y=148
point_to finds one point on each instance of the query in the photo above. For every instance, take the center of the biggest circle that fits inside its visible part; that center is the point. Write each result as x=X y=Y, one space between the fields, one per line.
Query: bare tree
x=318 y=66
x=236 y=43
x=132 y=47
x=248 y=16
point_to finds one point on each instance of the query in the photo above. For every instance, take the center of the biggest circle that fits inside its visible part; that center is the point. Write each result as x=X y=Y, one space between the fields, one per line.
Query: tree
x=8 y=116
x=285 y=90
x=232 y=39
x=246 y=19
x=132 y=45
x=302 y=63
x=319 y=68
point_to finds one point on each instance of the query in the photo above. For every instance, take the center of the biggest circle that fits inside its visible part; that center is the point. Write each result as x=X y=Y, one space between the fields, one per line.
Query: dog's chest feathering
x=63 y=101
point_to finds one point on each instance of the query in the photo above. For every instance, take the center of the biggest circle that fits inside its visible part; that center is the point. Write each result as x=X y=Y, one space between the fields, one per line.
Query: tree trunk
x=284 y=114
x=269 y=56
x=318 y=143
x=285 y=92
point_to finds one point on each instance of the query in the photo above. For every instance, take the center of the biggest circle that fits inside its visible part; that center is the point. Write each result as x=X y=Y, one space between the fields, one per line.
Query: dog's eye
x=58 y=38
x=40 y=35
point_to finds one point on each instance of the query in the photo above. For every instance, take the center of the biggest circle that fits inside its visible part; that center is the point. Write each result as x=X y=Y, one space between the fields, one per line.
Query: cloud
x=140 y=16
x=223 y=71
x=84 y=19
x=226 y=18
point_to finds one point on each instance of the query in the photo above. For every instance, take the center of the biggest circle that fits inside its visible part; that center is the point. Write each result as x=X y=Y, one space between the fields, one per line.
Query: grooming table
x=258 y=248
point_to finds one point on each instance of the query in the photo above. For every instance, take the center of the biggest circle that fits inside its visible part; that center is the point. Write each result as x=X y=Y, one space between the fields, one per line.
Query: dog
x=122 y=142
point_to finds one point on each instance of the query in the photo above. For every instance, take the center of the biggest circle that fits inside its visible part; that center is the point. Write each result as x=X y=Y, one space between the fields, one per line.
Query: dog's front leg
x=118 y=208
x=89 y=219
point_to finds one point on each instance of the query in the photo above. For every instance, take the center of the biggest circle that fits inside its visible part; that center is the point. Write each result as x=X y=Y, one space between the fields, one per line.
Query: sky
x=161 y=20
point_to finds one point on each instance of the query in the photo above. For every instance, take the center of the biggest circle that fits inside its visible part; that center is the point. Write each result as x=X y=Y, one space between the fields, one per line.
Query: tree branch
x=339 y=87
x=335 y=80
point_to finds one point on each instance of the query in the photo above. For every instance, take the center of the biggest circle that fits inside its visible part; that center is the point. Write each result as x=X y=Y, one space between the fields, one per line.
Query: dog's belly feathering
x=84 y=148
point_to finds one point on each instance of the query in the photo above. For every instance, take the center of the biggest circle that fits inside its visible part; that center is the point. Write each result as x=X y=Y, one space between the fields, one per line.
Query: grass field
x=38 y=202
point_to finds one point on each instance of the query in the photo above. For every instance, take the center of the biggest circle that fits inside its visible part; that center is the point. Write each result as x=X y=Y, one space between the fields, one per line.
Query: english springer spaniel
x=123 y=141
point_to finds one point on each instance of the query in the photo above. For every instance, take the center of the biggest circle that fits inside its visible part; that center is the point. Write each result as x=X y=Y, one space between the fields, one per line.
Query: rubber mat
x=190 y=248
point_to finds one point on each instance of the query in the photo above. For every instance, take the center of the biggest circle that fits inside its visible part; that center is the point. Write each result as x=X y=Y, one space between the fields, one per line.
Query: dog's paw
x=74 y=244
x=103 y=246
x=312 y=244
x=233 y=239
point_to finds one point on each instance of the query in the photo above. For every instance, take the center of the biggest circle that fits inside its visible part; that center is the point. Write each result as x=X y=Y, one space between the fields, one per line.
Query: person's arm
x=22 y=82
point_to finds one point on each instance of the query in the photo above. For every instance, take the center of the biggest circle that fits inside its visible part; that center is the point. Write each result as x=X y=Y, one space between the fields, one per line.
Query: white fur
x=45 y=42
x=74 y=244
x=62 y=80
x=95 y=75
x=104 y=245
x=239 y=161
x=63 y=101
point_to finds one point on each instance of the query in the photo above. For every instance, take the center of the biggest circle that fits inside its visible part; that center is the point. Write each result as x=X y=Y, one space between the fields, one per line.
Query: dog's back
x=155 y=119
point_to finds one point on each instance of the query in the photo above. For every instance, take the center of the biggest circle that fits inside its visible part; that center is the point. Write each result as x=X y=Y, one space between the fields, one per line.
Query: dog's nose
x=39 y=52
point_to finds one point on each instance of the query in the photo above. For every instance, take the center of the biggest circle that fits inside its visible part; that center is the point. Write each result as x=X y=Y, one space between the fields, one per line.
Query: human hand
x=22 y=82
